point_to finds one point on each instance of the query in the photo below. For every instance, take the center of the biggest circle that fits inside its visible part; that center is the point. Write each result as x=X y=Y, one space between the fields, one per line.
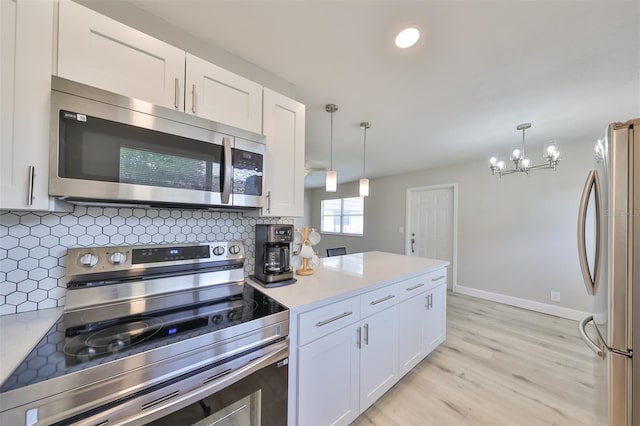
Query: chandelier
x=522 y=164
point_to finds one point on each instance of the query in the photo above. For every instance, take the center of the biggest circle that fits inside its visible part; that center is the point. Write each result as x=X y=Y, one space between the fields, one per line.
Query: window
x=343 y=216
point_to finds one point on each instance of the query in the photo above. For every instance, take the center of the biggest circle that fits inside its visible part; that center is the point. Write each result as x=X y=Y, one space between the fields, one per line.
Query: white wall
x=517 y=235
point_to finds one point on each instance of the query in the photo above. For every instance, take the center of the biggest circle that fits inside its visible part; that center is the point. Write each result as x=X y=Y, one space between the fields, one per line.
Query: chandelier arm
x=509 y=172
x=541 y=166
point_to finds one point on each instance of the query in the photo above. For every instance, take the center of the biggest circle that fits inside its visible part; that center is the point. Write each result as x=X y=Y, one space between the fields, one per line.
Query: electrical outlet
x=555 y=296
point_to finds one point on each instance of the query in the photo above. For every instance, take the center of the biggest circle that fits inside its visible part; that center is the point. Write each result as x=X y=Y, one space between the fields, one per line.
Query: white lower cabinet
x=328 y=379
x=350 y=352
x=422 y=325
x=378 y=355
x=343 y=373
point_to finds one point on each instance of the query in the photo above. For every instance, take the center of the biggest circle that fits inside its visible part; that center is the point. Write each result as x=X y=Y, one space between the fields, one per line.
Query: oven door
x=250 y=389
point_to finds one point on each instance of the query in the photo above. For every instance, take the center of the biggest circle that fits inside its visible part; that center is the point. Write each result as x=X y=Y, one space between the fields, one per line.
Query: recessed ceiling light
x=407 y=37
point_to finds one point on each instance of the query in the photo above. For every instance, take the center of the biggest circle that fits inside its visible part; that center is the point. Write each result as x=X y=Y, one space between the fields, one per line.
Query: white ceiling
x=479 y=69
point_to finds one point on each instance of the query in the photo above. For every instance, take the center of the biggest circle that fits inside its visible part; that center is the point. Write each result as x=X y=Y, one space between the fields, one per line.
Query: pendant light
x=332 y=177
x=364 y=182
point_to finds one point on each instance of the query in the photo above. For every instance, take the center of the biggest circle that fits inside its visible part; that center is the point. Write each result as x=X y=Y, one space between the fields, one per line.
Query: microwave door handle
x=228 y=170
x=591 y=184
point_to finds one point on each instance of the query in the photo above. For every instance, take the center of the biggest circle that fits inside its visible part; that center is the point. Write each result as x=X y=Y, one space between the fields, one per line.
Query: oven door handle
x=278 y=352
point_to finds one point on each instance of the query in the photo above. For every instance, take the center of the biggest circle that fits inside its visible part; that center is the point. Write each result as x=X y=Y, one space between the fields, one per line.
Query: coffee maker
x=273 y=255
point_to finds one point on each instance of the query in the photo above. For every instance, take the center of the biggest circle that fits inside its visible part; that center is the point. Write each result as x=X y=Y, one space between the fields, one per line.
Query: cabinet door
x=283 y=125
x=99 y=51
x=328 y=373
x=435 y=318
x=26 y=51
x=379 y=355
x=411 y=332
x=220 y=95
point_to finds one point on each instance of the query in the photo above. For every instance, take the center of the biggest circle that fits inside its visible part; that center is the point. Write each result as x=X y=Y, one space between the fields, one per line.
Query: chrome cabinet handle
x=590 y=343
x=366 y=334
x=228 y=171
x=32 y=175
x=590 y=281
x=358 y=338
x=413 y=241
x=375 y=302
x=336 y=318
x=415 y=286
x=437 y=279
x=193 y=98
x=269 y=202
x=176 y=93
x=429 y=302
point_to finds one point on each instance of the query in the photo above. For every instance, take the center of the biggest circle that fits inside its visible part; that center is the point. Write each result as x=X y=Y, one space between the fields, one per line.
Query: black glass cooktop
x=66 y=350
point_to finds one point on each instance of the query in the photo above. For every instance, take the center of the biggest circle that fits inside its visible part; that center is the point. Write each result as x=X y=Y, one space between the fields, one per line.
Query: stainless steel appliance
x=273 y=255
x=106 y=148
x=610 y=262
x=163 y=334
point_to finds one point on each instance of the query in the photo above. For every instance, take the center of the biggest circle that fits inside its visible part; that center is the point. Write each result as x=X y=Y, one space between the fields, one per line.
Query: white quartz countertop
x=349 y=275
x=335 y=278
x=20 y=333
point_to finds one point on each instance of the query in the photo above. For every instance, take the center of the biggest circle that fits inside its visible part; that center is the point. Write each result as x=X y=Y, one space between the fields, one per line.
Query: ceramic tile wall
x=33 y=245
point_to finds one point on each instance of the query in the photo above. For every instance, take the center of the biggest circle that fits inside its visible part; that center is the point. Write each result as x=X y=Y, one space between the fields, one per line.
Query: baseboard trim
x=544 y=308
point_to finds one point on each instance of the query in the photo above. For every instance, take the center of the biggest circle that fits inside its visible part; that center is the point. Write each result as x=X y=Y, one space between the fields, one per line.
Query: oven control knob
x=117 y=258
x=218 y=250
x=233 y=314
x=234 y=249
x=217 y=319
x=88 y=260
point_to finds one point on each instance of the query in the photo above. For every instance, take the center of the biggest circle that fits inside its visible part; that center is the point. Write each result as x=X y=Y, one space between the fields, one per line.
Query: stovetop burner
x=66 y=350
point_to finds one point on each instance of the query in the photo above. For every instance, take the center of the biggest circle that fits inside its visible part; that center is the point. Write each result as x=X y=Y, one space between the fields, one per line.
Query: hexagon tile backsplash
x=33 y=245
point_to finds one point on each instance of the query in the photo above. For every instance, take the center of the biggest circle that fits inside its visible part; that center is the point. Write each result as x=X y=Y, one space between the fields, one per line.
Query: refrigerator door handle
x=590 y=281
x=590 y=343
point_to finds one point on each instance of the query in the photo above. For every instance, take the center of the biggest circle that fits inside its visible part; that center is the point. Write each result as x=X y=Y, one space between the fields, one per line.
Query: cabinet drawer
x=327 y=319
x=416 y=285
x=435 y=278
x=378 y=300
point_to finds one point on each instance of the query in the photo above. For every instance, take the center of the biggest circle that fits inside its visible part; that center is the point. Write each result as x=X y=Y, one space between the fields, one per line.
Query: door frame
x=407 y=222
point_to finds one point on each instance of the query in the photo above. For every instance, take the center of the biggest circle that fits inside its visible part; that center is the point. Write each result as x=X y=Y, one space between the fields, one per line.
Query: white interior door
x=431 y=225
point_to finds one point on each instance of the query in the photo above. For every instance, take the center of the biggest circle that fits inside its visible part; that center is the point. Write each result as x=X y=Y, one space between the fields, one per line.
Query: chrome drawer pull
x=437 y=279
x=375 y=302
x=337 y=317
x=415 y=286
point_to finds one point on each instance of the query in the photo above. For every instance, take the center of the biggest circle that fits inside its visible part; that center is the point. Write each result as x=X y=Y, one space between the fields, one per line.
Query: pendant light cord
x=364 y=153
x=331 y=155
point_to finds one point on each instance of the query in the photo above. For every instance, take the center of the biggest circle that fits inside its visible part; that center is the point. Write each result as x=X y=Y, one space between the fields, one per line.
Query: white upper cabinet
x=220 y=95
x=98 y=51
x=284 y=126
x=26 y=51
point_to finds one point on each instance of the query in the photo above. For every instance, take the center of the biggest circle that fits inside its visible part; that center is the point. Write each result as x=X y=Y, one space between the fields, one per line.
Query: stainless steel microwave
x=107 y=148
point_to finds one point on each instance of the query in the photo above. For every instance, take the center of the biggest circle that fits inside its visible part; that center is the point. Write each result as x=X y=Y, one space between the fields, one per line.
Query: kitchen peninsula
x=357 y=325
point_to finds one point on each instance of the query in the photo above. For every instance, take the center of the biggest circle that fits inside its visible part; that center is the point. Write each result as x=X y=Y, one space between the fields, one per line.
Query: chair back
x=336 y=251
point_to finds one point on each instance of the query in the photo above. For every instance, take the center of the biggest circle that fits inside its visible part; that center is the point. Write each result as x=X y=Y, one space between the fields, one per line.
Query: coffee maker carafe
x=273 y=255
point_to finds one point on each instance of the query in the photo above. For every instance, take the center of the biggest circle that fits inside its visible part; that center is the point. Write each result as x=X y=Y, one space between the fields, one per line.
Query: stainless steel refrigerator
x=609 y=253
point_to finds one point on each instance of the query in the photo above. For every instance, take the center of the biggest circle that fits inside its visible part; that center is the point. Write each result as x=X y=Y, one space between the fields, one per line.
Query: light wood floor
x=500 y=365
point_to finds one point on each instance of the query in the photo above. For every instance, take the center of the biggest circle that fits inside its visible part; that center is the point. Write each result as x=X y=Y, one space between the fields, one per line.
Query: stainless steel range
x=162 y=334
